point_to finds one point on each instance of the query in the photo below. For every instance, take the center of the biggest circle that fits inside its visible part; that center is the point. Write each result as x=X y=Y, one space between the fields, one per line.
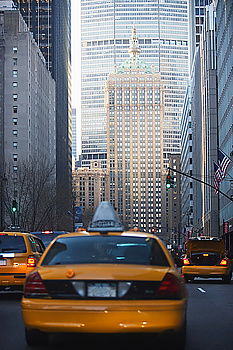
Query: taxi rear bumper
x=12 y=281
x=13 y=277
x=206 y=271
x=96 y=317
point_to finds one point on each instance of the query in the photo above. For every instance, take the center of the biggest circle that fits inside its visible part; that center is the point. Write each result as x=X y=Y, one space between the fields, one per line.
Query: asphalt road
x=210 y=323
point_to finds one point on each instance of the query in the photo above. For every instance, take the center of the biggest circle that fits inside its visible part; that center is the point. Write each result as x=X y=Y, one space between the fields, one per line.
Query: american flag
x=217 y=177
x=223 y=162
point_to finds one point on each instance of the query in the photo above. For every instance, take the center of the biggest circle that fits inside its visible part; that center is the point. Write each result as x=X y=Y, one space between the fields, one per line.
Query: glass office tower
x=50 y=23
x=162 y=27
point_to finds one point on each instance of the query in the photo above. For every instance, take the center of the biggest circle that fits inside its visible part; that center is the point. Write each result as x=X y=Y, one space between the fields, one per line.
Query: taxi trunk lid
x=101 y=281
x=103 y=272
x=195 y=246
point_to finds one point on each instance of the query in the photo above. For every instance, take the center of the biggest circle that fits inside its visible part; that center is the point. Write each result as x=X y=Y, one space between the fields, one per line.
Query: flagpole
x=219 y=224
x=203 y=182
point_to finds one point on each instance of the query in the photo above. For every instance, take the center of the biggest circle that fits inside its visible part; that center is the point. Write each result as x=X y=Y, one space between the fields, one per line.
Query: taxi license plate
x=2 y=262
x=101 y=290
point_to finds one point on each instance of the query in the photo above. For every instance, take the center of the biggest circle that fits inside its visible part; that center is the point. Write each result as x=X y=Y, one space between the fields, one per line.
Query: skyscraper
x=204 y=114
x=224 y=24
x=49 y=21
x=134 y=108
x=197 y=11
x=105 y=32
x=27 y=123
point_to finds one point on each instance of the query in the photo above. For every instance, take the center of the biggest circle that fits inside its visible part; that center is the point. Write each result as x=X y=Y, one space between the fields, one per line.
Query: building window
x=15 y=49
x=15 y=157
x=15 y=97
x=15 y=61
x=14 y=84
x=15 y=73
x=15 y=121
x=15 y=109
x=15 y=145
x=15 y=132
x=15 y=168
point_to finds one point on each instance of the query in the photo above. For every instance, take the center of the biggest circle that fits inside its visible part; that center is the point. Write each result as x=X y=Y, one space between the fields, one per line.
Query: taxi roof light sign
x=105 y=219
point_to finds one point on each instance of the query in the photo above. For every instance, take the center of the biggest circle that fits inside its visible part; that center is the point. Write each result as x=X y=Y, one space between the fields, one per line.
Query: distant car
x=48 y=236
x=19 y=254
x=206 y=258
x=177 y=256
x=105 y=280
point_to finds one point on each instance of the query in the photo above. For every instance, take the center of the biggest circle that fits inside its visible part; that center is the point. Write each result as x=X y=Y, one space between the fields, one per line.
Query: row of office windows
x=140 y=41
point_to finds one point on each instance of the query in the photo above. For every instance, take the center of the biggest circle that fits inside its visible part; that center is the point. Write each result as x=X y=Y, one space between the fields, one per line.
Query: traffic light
x=168 y=181
x=153 y=229
x=14 y=206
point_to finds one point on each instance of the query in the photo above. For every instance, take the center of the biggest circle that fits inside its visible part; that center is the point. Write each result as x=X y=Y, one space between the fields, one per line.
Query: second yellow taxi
x=19 y=254
x=206 y=258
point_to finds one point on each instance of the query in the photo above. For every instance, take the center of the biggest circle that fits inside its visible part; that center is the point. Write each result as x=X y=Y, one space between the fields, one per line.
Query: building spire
x=134 y=62
x=134 y=49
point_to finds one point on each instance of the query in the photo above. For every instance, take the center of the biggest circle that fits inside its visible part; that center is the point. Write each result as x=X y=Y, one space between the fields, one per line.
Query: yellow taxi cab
x=105 y=280
x=19 y=254
x=206 y=258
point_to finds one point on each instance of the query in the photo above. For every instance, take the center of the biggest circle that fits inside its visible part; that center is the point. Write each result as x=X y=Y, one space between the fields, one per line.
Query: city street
x=210 y=323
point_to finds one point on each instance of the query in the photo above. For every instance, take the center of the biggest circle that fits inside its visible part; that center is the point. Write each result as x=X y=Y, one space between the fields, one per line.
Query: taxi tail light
x=186 y=261
x=171 y=288
x=31 y=261
x=224 y=262
x=34 y=286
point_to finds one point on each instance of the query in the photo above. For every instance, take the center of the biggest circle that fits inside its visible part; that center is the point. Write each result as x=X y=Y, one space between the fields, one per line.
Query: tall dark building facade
x=50 y=23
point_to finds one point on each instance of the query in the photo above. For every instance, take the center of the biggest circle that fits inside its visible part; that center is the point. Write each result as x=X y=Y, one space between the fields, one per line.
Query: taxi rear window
x=106 y=249
x=12 y=244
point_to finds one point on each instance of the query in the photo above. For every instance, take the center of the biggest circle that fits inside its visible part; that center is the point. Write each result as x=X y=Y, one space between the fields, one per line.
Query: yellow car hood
x=205 y=246
x=103 y=272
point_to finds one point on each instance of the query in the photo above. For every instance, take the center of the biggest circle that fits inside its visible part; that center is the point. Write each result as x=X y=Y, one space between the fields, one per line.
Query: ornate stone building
x=134 y=107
